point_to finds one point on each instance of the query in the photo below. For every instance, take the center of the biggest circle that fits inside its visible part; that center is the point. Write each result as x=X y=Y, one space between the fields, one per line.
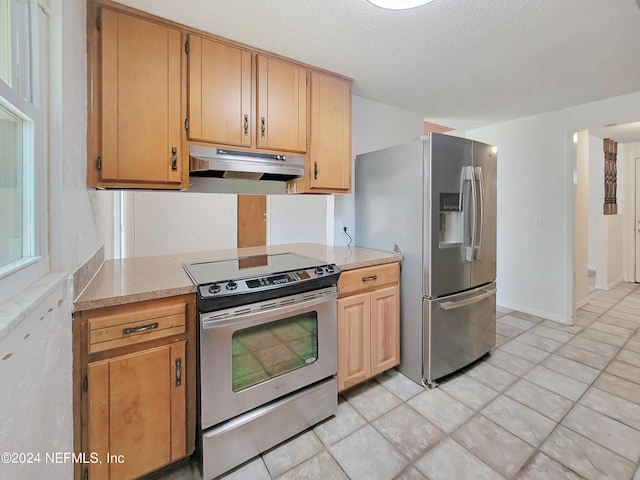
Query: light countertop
x=131 y=280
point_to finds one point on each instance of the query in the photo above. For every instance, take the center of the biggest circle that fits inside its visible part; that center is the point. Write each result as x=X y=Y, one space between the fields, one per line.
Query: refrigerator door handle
x=468 y=301
x=469 y=174
x=477 y=248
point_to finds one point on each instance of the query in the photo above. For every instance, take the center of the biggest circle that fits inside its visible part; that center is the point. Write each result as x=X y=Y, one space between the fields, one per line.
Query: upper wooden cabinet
x=156 y=87
x=220 y=105
x=328 y=168
x=135 y=122
x=330 y=132
x=282 y=105
x=221 y=98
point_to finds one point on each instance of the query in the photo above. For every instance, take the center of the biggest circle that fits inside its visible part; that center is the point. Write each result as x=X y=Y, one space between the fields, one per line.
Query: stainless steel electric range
x=267 y=353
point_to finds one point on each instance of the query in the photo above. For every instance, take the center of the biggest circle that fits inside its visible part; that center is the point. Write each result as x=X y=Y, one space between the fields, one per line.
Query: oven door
x=253 y=354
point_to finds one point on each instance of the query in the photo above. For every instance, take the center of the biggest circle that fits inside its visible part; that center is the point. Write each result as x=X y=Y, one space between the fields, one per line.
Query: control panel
x=450 y=202
x=268 y=282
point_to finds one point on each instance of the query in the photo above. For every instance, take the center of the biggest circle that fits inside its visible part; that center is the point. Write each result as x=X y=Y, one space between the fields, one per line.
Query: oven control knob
x=215 y=288
x=232 y=285
x=330 y=269
x=318 y=271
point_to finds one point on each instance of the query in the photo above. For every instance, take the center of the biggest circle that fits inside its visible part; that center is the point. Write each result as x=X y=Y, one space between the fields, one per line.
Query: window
x=23 y=193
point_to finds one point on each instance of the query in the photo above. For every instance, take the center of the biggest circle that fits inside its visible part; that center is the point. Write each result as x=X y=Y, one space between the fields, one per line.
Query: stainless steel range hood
x=236 y=164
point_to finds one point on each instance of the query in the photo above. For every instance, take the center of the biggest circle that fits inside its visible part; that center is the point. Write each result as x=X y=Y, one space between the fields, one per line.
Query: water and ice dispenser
x=451 y=219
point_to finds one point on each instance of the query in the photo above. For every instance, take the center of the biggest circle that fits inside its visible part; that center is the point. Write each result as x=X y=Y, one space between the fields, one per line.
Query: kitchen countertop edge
x=120 y=282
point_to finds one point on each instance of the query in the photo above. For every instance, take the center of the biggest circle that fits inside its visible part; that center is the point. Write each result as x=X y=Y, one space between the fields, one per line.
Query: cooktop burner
x=246 y=267
x=245 y=280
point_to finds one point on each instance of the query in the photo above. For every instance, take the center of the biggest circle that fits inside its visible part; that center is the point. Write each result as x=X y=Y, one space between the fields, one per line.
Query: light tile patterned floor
x=551 y=402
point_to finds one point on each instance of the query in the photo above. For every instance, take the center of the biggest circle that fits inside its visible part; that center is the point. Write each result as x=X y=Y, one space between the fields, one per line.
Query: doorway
x=606 y=248
x=252 y=221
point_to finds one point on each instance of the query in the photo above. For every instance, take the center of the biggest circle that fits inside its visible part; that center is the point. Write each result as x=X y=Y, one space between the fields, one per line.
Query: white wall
x=74 y=233
x=609 y=266
x=581 y=217
x=535 y=178
x=300 y=218
x=162 y=223
x=36 y=393
x=596 y=196
x=374 y=126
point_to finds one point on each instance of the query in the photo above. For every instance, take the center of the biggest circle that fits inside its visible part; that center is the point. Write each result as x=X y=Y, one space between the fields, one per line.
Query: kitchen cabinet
x=328 y=168
x=137 y=386
x=220 y=90
x=156 y=87
x=220 y=104
x=135 y=88
x=282 y=105
x=368 y=323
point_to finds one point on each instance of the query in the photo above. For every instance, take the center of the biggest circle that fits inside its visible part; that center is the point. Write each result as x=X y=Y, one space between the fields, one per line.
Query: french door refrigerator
x=434 y=201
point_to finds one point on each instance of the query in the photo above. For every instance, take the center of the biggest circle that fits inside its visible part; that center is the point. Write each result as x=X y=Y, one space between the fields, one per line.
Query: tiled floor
x=550 y=402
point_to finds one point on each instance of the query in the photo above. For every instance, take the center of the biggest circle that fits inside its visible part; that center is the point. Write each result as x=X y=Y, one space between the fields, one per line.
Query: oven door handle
x=263 y=312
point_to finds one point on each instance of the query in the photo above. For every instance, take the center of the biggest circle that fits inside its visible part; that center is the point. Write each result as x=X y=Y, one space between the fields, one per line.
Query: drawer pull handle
x=370 y=278
x=174 y=159
x=141 y=328
x=178 y=372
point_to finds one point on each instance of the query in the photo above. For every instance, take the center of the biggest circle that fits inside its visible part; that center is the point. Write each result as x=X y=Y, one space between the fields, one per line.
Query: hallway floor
x=550 y=402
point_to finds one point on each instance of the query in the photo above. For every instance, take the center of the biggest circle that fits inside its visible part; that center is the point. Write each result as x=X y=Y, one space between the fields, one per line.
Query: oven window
x=266 y=351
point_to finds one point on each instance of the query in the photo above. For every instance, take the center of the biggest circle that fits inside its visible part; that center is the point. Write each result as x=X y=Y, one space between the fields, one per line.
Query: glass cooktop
x=246 y=267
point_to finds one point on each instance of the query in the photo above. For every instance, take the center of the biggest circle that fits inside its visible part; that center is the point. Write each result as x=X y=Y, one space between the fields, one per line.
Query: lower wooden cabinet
x=368 y=323
x=137 y=397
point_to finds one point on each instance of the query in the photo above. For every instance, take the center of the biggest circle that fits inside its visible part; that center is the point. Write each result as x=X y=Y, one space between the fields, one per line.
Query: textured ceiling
x=460 y=63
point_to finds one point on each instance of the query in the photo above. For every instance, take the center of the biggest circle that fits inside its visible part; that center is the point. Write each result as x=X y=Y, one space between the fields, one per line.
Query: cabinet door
x=385 y=329
x=282 y=105
x=137 y=411
x=330 y=146
x=353 y=340
x=219 y=93
x=140 y=69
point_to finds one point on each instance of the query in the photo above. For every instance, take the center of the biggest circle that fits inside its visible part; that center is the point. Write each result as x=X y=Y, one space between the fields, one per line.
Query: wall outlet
x=344 y=226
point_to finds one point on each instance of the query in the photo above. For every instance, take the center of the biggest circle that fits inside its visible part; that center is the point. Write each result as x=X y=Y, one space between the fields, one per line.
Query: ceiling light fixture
x=400 y=4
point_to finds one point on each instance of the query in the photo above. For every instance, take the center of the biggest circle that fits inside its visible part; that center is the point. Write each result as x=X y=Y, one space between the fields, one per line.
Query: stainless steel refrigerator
x=434 y=201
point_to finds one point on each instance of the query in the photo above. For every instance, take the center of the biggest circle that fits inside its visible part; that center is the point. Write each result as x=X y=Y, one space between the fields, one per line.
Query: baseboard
x=582 y=303
x=609 y=286
x=615 y=283
x=538 y=313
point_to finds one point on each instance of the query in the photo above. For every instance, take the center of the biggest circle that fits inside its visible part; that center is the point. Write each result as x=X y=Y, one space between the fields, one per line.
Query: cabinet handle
x=174 y=159
x=246 y=125
x=178 y=372
x=370 y=278
x=141 y=328
x=263 y=127
x=315 y=170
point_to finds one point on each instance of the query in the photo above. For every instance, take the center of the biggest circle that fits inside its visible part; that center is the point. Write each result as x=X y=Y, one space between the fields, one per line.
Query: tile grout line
x=590 y=385
x=576 y=402
x=537 y=449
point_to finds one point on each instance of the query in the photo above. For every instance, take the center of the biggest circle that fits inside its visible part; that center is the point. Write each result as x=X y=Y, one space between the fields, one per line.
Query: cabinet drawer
x=368 y=278
x=128 y=326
